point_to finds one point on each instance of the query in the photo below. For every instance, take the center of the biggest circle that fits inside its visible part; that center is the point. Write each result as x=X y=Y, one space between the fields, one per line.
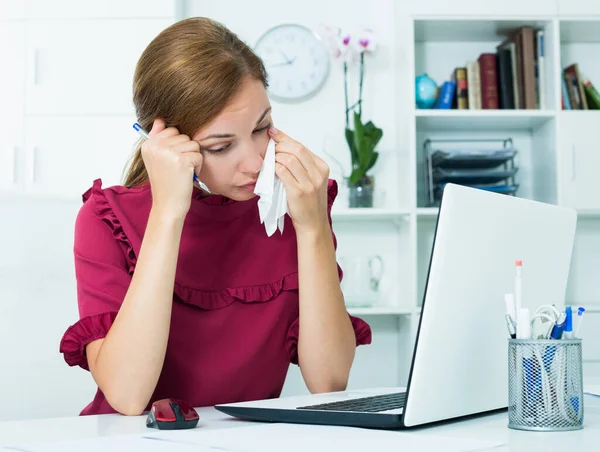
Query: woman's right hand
x=171 y=159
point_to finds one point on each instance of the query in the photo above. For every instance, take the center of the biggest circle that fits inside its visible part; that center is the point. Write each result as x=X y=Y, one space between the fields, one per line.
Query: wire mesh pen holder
x=545 y=385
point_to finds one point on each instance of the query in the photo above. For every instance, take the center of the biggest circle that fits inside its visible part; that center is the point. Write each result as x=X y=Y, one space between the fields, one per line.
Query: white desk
x=488 y=427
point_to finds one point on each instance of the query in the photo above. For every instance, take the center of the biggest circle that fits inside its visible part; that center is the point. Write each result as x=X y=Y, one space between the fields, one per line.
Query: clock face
x=296 y=60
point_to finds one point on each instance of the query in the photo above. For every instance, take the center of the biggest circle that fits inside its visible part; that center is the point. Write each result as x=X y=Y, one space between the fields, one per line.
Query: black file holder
x=486 y=169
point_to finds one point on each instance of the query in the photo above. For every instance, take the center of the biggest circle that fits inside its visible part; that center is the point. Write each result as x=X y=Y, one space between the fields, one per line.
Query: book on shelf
x=505 y=79
x=473 y=86
x=511 y=76
x=578 y=92
x=540 y=69
x=446 y=95
x=508 y=81
x=462 y=92
x=593 y=97
x=488 y=74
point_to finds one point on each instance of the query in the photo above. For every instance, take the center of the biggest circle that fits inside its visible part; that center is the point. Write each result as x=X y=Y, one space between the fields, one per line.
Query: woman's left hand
x=305 y=177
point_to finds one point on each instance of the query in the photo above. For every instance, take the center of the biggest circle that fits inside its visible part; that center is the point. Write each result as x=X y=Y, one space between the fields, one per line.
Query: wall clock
x=296 y=60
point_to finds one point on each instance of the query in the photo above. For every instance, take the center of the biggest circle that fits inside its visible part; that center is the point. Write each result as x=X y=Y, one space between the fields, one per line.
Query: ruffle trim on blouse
x=106 y=214
x=78 y=335
x=250 y=294
x=362 y=333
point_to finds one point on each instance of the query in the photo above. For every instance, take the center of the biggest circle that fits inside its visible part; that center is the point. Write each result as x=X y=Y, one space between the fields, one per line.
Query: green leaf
x=366 y=151
x=374 y=133
x=362 y=142
x=357 y=174
x=350 y=141
x=373 y=160
x=359 y=133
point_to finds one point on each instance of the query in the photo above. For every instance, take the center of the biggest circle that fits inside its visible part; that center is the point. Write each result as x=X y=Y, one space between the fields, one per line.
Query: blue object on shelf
x=426 y=92
x=446 y=96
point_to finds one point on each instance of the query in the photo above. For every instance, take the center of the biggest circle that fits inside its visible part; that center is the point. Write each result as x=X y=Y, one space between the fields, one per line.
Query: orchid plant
x=364 y=137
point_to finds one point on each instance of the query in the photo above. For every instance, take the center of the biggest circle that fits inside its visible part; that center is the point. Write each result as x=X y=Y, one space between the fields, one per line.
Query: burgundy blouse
x=234 y=324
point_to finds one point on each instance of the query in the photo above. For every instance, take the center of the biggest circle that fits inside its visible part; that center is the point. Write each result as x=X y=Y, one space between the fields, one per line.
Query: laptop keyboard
x=371 y=404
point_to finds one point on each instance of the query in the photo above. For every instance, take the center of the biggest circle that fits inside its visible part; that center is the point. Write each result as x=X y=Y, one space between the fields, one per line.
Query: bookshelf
x=556 y=158
x=558 y=155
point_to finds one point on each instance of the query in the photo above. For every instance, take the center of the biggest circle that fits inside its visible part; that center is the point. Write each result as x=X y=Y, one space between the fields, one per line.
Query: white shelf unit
x=558 y=151
x=558 y=158
x=558 y=155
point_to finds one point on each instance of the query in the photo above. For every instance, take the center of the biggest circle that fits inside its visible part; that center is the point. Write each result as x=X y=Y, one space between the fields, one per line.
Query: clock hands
x=287 y=62
x=284 y=56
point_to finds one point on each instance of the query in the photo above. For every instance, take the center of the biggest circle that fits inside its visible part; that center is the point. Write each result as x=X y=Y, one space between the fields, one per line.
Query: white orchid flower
x=366 y=41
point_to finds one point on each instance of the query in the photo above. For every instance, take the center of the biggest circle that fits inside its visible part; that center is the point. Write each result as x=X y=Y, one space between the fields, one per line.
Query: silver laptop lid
x=460 y=361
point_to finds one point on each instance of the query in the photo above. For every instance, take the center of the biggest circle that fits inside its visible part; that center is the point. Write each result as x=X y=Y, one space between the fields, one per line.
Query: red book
x=489 y=81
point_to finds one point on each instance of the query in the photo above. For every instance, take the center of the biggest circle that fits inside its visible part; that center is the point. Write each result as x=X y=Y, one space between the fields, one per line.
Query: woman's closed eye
x=217 y=150
x=227 y=146
x=262 y=129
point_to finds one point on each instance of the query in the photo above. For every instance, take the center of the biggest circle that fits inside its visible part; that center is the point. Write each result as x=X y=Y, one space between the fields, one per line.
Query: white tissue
x=272 y=205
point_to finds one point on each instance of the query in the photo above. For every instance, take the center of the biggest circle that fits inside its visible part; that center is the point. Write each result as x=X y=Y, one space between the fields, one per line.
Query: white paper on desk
x=307 y=438
x=272 y=205
x=129 y=443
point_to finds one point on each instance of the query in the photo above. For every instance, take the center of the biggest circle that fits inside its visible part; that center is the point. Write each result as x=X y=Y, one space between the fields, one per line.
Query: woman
x=181 y=293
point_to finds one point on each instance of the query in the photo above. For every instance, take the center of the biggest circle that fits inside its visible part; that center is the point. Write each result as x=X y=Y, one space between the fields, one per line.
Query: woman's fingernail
x=273 y=130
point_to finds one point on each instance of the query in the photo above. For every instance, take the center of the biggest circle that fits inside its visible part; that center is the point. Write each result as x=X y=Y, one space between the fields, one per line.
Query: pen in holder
x=545 y=385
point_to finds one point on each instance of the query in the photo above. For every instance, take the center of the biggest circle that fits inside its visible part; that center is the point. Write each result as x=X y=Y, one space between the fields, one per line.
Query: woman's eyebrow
x=217 y=135
x=230 y=135
x=263 y=115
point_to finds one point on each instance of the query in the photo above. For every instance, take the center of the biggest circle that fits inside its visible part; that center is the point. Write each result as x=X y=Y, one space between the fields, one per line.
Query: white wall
x=37 y=303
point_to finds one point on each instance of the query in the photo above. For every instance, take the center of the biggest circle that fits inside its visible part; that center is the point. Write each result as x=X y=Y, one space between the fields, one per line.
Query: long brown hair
x=186 y=76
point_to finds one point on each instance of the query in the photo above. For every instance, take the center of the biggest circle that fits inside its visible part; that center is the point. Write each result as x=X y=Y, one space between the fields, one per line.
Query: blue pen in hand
x=139 y=129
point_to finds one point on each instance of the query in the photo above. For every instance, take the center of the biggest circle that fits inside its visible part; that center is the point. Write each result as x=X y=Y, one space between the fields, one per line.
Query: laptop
x=459 y=363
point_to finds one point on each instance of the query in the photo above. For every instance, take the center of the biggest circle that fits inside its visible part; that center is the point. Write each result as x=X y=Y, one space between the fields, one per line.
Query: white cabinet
x=506 y=8
x=66 y=97
x=65 y=154
x=578 y=7
x=579 y=159
x=12 y=9
x=37 y=304
x=12 y=96
x=84 y=66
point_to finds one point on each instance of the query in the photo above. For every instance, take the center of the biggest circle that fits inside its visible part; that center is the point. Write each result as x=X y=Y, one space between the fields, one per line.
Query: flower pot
x=361 y=193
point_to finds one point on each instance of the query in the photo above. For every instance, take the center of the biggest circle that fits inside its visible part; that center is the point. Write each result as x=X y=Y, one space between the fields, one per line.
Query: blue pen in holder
x=545 y=384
